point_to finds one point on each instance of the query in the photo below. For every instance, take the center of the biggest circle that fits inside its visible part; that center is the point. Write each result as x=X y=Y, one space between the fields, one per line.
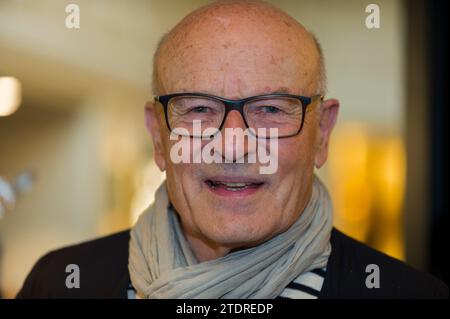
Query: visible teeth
x=235 y=184
x=230 y=186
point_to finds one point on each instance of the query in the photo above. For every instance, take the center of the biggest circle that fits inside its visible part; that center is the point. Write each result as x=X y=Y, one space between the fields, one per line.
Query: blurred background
x=76 y=160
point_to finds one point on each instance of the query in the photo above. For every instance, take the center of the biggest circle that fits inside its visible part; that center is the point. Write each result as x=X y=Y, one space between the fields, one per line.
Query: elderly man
x=220 y=227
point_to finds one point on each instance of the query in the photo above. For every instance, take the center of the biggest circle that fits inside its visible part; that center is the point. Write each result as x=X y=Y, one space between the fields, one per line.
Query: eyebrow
x=281 y=90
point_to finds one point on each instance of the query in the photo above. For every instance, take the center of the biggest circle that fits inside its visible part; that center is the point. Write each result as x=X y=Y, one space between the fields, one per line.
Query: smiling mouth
x=232 y=186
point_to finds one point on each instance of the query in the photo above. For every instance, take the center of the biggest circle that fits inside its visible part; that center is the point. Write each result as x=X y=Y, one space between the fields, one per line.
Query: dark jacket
x=104 y=274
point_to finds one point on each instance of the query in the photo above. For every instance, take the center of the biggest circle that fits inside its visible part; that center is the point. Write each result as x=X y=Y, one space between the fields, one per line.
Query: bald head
x=213 y=46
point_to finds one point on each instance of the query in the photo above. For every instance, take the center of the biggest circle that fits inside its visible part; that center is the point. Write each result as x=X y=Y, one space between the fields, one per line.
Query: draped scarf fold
x=162 y=265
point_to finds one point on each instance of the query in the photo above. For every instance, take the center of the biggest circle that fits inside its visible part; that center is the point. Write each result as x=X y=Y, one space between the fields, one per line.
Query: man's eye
x=270 y=109
x=200 y=109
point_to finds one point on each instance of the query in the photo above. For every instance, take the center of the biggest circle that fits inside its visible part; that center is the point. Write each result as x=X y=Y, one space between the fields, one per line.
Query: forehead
x=236 y=58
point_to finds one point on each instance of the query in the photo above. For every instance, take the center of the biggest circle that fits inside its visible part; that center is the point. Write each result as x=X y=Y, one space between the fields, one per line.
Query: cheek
x=179 y=178
x=296 y=154
x=296 y=167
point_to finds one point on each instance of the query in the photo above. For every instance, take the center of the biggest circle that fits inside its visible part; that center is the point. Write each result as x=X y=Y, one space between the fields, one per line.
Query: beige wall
x=365 y=66
x=68 y=195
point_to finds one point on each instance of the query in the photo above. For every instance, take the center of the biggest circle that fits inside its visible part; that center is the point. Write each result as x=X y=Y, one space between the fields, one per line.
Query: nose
x=235 y=146
x=234 y=120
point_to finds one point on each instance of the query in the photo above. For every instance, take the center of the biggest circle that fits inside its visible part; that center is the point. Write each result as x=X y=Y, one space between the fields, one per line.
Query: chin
x=237 y=232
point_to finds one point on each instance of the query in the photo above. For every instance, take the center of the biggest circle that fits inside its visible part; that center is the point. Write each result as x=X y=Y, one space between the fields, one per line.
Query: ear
x=154 y=128
x=327 y=119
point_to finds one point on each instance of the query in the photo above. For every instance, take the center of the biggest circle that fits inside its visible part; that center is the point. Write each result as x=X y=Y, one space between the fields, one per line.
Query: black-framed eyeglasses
x=285 y=112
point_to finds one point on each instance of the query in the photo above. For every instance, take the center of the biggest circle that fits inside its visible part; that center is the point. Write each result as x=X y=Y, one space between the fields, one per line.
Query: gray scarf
x=162 y=265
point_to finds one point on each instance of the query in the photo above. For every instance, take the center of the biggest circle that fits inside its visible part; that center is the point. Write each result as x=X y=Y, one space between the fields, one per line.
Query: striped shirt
x=306 y=286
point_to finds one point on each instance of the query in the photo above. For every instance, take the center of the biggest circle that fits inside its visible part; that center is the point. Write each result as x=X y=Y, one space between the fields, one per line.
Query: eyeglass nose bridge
x=236 y=106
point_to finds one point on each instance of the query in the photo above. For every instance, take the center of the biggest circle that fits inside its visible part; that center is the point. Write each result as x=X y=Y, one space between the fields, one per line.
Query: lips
x=233 y=185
